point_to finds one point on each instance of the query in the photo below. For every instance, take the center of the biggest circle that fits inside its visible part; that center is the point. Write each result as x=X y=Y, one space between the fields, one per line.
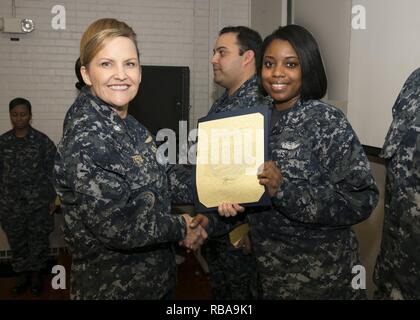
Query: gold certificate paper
x=229 y=152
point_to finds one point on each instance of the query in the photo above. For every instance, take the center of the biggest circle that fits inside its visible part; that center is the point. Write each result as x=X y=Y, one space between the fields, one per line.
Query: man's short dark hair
x=248 y=39
x=20 y=101
x=314 y=79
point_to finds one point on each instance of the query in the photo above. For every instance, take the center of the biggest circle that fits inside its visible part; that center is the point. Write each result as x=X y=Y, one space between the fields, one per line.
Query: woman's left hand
x=270 y=177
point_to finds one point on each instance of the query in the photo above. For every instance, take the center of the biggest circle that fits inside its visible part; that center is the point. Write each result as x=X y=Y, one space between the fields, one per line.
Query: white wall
x=40 y=66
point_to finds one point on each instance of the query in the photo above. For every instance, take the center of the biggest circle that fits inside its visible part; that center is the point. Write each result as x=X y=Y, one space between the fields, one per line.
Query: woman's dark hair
x=20 y=101
x=80 y=84
x=314 y=79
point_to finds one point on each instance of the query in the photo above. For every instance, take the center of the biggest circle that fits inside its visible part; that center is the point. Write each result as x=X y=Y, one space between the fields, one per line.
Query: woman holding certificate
x=319 y=180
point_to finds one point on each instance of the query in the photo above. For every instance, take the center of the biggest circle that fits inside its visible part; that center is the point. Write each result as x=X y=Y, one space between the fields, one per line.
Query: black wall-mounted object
x=163 y=98
x=372 y=151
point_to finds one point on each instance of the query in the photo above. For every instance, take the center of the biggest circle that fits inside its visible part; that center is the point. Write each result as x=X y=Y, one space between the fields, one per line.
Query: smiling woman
x=115 y=195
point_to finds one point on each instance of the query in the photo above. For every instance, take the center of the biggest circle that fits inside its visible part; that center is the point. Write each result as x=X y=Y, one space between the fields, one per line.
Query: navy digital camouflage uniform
x=116 y=204
x=397 y=271
x=233 y=273
x=26 y=191
x=305 y=246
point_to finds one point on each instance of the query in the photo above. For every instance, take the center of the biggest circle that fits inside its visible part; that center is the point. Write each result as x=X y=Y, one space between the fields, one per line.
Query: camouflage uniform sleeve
x=119 y=217
x=334 y=186
x=404 y=115
x=180 y=185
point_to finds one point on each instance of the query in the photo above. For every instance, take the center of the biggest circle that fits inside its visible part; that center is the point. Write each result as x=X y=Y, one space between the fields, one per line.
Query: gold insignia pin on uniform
x=138 y=159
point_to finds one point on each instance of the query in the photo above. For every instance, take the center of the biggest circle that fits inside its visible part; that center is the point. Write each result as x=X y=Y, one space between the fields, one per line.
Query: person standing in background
x=27 y=195
x=397 y=270
x=233 y=272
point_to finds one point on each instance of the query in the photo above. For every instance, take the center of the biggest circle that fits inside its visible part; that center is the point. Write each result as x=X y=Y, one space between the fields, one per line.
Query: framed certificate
x=231 y=147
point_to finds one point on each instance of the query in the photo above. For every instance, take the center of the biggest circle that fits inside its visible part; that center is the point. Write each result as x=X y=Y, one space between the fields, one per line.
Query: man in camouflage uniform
x=116 y=204
x=397 y=271
x=232 y=269
x=27 y=194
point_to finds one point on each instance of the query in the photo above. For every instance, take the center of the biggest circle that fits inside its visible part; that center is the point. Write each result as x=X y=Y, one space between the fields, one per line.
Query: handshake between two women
x=195 y=231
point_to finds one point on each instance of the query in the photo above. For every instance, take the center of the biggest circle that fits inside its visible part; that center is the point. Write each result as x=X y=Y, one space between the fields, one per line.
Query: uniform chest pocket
x=294 y=159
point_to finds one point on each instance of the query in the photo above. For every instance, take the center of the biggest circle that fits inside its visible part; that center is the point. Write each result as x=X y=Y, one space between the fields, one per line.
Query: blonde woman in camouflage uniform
x=115 y=195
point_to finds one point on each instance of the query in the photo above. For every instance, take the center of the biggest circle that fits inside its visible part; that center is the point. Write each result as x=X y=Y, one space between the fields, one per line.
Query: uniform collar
x=100 y=106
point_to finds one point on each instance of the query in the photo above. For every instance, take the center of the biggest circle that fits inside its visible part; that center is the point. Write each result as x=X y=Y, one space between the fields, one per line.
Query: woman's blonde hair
x=95 y=36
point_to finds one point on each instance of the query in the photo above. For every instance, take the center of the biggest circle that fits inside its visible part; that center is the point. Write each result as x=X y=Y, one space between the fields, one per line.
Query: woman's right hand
x=227 y=209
